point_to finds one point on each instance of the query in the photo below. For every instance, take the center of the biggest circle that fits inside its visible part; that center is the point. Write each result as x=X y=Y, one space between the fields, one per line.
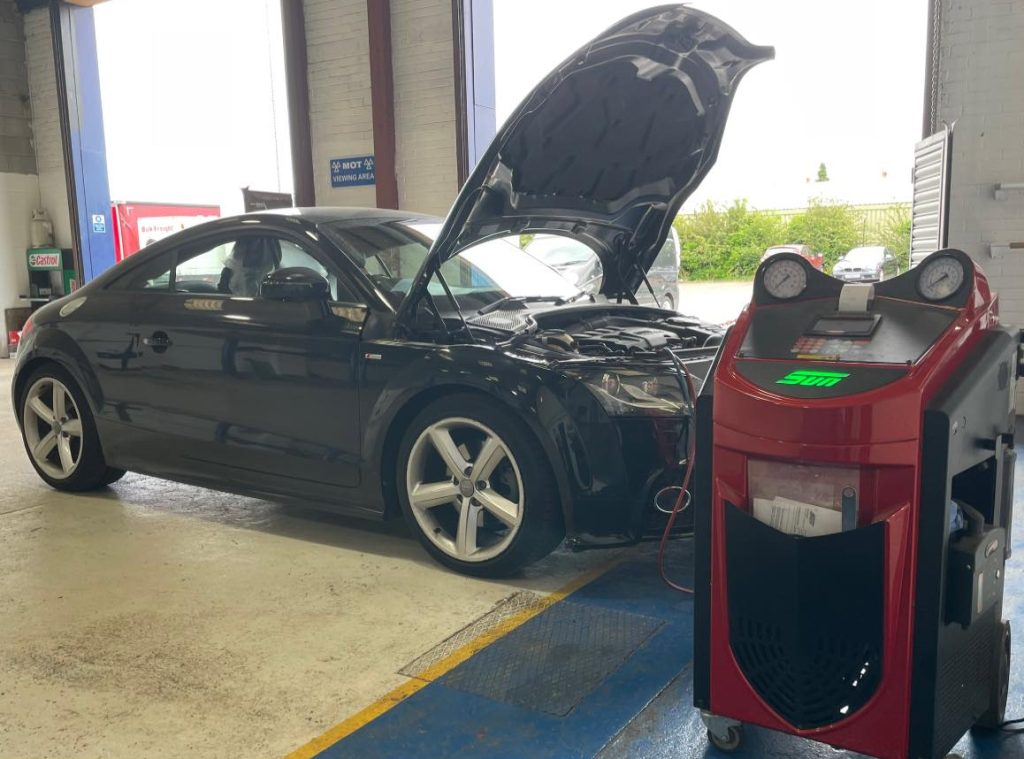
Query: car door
x=261 y=394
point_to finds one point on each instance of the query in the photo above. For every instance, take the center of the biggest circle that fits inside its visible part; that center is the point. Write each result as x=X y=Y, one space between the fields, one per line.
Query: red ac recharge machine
x=854 y=486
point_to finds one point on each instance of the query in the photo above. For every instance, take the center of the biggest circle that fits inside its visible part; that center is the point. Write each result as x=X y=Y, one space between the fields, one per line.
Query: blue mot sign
x=354 y=171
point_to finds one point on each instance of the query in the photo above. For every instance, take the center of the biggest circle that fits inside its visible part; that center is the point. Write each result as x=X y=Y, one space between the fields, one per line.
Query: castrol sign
x=44 y=260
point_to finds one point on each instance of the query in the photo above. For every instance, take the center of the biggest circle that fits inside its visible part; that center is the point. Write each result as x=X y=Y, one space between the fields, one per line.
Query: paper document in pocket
x=797 y=518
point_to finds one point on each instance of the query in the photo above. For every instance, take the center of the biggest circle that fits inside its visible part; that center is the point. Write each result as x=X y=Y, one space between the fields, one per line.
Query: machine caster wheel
x=724 y=733
x=993 y=718
x=728 y=741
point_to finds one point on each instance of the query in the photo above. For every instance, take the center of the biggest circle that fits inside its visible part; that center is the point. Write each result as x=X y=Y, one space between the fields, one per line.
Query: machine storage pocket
x=806 y=616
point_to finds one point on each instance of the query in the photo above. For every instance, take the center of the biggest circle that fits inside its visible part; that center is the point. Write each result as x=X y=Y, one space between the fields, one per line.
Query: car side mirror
x=295 y=283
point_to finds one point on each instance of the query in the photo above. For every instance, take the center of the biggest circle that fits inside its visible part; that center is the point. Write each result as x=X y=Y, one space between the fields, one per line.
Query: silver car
x=868 y=263
x=581 y=266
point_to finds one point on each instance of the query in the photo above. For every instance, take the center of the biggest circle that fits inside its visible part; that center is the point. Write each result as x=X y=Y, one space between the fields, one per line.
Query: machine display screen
x=845 y=326
x=893 y=332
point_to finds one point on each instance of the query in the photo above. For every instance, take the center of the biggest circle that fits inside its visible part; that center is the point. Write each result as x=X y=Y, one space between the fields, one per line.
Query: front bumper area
x=856 y=276
x=616 y=475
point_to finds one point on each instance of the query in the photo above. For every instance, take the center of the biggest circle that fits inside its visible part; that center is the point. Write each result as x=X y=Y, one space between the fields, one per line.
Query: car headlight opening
x=624 y=391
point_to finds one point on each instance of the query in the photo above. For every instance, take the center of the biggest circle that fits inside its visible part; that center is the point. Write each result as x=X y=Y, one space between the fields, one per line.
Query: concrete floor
x=156 y=619
x=715 y=302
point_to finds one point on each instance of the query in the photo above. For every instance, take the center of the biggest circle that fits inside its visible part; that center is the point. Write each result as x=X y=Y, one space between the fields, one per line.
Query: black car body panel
x=199 y=408
x=307 y=400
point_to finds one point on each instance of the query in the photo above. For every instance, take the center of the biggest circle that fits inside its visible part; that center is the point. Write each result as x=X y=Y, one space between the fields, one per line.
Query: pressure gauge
x=940 y=278
x=785 y=278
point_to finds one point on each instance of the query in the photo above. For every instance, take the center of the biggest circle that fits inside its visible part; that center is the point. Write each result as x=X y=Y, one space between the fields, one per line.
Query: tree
x=829 y=228
x=726 y=242
x=894 y=233
x=822 y=173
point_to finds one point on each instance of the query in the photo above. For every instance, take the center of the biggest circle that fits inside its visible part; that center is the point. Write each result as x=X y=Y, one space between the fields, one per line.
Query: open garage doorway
x=195 y=108
x=819 y=148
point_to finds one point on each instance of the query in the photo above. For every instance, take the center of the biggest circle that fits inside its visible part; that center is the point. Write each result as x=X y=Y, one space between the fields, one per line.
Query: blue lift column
x=85 y=150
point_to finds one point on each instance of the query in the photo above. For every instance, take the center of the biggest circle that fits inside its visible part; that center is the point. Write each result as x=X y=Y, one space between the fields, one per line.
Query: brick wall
x=981 y=88
x=46 y=124
x=341 y=120
x=19 y=186
x=16 y=154
x=422 y=55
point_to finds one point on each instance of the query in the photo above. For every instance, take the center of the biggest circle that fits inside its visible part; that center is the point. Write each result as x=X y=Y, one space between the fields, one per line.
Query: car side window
x=295 y=255
x=235 y=266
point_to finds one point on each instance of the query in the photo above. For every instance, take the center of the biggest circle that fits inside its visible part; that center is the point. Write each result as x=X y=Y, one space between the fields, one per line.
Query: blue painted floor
x=642 y=709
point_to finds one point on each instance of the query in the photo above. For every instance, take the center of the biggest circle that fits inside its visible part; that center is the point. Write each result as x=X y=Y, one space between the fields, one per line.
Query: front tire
x=59 y=433
x=476 y=489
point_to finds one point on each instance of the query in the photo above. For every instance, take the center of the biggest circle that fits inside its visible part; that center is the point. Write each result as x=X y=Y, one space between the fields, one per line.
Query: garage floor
x=156 y=619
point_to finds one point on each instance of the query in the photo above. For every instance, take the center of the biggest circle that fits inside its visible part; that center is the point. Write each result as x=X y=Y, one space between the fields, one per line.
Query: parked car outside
x=576 y=262
x=869 y=263
x=382 y=363
x=580 y=265
x=815 y=259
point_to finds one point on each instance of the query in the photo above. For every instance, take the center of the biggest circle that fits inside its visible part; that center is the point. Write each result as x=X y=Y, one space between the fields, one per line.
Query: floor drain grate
x=515 y=605
x=552 y=662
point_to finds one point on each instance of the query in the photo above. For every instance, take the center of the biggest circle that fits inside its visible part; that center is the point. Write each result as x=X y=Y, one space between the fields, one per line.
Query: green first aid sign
x=812 y=378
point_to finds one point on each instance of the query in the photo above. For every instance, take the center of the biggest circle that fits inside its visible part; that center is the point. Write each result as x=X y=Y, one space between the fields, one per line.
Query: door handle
x=158 y=341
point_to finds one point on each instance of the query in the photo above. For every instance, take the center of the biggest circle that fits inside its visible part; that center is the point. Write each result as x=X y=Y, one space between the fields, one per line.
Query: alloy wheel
x=53 y=428
x=465 y=489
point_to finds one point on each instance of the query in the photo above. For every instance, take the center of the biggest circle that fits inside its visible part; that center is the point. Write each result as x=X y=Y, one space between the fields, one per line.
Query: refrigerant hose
x=686 y=385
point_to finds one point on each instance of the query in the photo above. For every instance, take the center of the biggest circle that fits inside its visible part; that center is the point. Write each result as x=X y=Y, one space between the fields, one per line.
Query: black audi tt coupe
x=381 y=362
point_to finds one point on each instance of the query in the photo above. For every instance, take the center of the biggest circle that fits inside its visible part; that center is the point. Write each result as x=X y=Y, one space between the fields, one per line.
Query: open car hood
x=608 y=146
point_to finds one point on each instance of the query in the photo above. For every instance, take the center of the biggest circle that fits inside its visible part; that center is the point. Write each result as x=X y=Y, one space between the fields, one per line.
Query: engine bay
x=610 y=334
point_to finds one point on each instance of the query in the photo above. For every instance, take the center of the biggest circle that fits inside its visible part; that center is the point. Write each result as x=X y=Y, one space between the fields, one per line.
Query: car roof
x=325 y=214
x=306 y=217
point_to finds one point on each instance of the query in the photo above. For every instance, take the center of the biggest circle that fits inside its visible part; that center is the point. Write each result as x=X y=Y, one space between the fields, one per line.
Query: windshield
x=560 y=251
x=392 y=253
x=864 y=255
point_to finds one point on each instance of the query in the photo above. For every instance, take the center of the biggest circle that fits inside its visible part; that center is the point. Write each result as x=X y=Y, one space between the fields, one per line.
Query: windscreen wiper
x=557 y=300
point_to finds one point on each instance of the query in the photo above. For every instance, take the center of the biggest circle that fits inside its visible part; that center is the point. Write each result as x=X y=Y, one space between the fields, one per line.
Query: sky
x=194 y=100
x=846 y=89
x=195 y=106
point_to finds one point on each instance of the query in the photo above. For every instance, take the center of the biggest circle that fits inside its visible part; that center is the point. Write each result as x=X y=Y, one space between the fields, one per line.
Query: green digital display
x=812 y=378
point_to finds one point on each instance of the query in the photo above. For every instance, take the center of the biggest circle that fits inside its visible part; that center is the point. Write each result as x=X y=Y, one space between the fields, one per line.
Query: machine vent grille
x=805 y=617
x=833 y=679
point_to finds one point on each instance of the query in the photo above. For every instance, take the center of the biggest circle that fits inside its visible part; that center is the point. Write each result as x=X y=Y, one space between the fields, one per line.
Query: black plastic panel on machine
x=904 y=332
x=805 y=617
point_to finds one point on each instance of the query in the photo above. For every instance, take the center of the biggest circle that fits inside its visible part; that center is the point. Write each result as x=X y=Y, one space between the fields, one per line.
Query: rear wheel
x=59 y=433
x=475 y=487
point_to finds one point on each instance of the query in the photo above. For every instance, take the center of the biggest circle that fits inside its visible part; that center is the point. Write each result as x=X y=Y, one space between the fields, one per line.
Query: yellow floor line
x=456 y=657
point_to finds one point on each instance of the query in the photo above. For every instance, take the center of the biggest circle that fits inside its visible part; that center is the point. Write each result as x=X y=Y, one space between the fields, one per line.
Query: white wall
x=981 y=88
x=19 y=196
x=42 y=86
x=19 y=185
x=341 y=119
x=422 y=55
